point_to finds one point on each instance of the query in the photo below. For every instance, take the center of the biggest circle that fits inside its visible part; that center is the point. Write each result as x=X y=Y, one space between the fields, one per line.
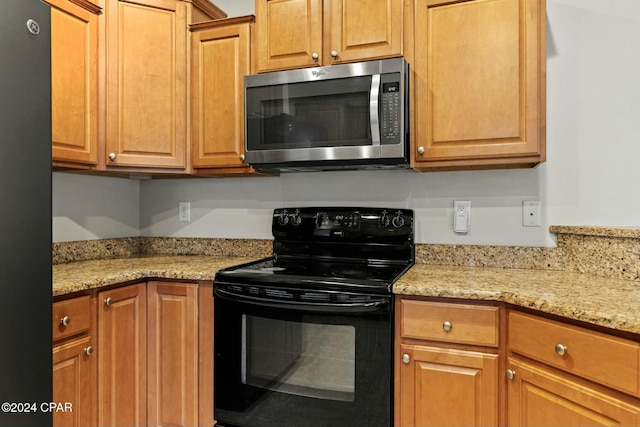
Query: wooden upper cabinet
x=74 y=83
x=363 y=29
x=308 y=33
x=220 y=58
x=146 y=88
x=479 y=83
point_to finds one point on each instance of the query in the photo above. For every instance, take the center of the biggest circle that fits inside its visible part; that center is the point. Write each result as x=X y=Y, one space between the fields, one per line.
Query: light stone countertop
x=84 y=275
x=611 y=303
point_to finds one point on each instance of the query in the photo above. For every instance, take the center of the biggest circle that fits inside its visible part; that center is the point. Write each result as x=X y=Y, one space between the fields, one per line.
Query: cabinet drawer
x=71 y=317
x=605 y=359
x=457 y=323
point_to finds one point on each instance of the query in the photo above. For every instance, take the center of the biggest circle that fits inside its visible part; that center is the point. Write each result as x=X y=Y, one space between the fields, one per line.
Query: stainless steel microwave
x=351 y=116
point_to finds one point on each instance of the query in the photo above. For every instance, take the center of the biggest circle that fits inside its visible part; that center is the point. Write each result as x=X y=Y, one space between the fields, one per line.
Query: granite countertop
x=84 y=275
x=607 y=302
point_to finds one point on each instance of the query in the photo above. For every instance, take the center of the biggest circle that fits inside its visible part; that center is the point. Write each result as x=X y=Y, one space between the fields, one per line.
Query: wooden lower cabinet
x=172 y=354
x=74 y=382
x=122 y=361
x=539 y=397
x=447 y=364
x=447 y=387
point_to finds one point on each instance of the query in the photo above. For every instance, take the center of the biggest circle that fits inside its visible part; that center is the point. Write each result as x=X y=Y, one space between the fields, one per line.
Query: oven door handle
x=357 y=307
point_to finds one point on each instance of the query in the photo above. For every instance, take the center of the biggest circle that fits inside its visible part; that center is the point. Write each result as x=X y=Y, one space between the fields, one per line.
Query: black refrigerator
x=25 y=213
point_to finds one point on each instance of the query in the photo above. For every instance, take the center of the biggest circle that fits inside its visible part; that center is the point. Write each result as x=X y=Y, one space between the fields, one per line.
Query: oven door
x=302 y=364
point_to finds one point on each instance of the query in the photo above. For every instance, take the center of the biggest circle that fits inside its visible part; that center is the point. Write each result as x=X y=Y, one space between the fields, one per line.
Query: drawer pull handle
x=65 y=320
x=561 y=350
x=511 y=374
x=406 y=358
x=108 y=301
x=447 y=326
x=88 y=351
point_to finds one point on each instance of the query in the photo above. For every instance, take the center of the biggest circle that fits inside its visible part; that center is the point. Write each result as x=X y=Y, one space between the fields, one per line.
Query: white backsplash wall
x=591 y=176
x=90 y=207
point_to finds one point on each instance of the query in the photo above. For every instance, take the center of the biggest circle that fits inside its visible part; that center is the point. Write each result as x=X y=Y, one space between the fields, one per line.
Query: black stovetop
x=332 y=248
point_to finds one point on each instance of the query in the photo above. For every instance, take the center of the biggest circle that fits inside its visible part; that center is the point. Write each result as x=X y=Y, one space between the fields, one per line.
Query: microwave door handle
x=374 y=118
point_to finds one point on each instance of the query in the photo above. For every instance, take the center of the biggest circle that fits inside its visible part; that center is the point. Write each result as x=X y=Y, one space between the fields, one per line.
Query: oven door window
x=305 y=359
x=328 y=113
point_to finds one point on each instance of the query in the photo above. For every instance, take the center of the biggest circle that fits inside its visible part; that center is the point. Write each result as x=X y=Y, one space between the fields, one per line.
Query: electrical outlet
x=461 y=216
x=184 y=211
x=531 y=213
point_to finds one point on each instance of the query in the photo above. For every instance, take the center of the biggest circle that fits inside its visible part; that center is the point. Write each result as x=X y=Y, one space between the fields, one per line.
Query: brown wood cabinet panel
x=308 y=33
x=220 y=60
x=289 y=33
x=205 y=354
x=74 y=382
x=363 y=29
x=608 y=360
x=74 y=82
x=466 y=324
x=540 y=398
x=146 y=89
x=479 y=95
x=71 y=317
x=173 y=354
x=122 y=357
x=447 y=387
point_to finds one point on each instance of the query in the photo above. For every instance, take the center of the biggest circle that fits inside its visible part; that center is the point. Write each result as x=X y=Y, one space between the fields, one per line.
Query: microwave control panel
x=391 y=109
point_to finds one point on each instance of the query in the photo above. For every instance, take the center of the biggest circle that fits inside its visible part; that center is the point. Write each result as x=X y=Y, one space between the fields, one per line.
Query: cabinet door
x=220 y=60
x=446 y=387
x=363 y=29
x=173 y=354
x=289 y=34
x=146 y=83
x=122 y=359
x=74 y=383
x=74 y=82
x=479 y=83
x=537 y=397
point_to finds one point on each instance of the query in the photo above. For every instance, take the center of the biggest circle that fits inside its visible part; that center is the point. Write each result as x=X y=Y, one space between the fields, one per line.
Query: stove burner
x=351 y=273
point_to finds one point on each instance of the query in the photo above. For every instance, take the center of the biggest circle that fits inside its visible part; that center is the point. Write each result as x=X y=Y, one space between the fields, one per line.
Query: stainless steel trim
x=329 y=72
x=373 y=109
x=318 y=153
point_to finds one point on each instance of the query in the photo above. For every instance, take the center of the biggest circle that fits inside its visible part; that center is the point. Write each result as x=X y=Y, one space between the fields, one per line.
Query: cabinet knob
x=112 y=156
x=242 y=157
x=65 y=320
x=334 y=54
x=315 y=56
x=108 y=301
x=511 y=374
x=447 y=326
x=561 y=350
x=406 y=358
x=88 y=351
x=420 y=150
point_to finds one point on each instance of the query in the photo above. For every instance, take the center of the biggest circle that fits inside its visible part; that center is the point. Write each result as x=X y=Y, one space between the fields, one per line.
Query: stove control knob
x=384 y=219
x=284 y=218
x=398 y=220
x=296 y=220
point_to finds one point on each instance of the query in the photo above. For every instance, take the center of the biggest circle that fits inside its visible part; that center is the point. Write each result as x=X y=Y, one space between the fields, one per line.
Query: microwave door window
x=311 y=114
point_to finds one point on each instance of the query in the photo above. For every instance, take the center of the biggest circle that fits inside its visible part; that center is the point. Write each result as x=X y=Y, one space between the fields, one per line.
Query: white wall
x=591 y=176
x=236 y=7
x=91 y=207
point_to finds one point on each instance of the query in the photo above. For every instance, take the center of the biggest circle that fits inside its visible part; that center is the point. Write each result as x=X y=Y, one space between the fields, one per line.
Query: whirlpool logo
x=318 y=73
